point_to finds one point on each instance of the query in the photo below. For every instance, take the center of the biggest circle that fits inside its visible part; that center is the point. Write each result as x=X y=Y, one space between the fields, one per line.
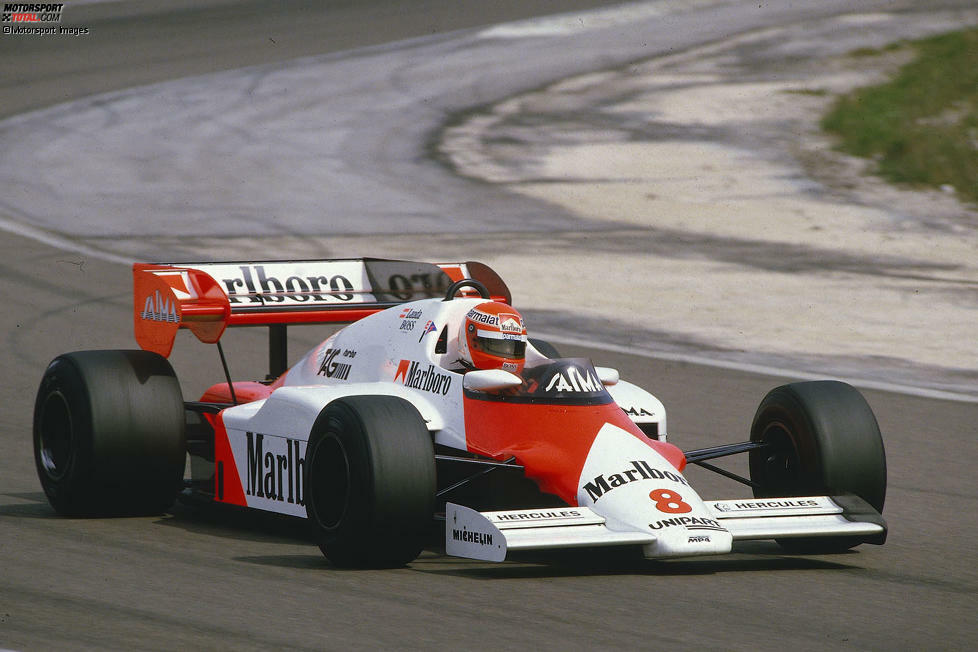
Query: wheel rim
x=331 y=485
x=780 y=466
x=55 y=435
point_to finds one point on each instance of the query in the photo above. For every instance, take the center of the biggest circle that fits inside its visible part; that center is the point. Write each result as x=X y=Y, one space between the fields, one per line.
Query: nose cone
x=635 y=487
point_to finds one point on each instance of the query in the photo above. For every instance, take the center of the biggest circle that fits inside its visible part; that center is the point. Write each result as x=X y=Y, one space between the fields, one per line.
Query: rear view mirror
x=490 y=380
x=608 y=376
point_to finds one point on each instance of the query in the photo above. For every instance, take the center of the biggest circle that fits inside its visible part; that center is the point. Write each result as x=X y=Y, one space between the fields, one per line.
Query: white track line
x=60 y=242
x=779 y=372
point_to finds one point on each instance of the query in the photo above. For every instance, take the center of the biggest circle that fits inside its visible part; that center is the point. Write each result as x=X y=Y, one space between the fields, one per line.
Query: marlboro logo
x=640 y=470
x=411 y=374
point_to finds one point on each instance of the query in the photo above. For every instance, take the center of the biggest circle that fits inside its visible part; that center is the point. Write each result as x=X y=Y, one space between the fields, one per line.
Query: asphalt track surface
x=203 y=580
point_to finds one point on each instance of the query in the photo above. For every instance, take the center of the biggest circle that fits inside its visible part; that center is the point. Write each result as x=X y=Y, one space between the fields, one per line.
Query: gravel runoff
x=748 y=232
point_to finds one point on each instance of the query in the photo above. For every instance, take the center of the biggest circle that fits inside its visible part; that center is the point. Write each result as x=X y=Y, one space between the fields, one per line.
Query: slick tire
x=824 y=441
x=109 y=433
x=370 y=481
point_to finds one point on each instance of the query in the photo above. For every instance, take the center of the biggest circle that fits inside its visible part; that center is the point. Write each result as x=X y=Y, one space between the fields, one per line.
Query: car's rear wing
x=206 y=298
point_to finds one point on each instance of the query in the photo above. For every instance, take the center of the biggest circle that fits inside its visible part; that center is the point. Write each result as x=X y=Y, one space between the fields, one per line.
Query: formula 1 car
x=376 y=433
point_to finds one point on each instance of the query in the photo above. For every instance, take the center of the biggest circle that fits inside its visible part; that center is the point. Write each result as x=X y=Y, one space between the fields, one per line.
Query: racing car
x=429 y=406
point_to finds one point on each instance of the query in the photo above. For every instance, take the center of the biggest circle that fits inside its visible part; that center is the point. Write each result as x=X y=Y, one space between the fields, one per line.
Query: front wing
x=489 y=536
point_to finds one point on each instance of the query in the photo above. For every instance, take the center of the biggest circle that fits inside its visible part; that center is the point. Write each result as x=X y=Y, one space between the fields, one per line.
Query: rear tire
x=370 y=481
x=825 y=441
x=545 y=348
x=109 y=433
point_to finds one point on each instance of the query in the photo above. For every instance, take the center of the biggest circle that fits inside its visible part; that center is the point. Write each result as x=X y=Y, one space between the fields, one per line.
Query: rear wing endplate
x=206 y=298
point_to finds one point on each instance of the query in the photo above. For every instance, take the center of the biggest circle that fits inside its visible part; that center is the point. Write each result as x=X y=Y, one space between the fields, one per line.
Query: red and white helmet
x=493 y=337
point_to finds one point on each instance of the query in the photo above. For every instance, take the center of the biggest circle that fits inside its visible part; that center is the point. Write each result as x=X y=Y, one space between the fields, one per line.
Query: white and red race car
x=375 y=433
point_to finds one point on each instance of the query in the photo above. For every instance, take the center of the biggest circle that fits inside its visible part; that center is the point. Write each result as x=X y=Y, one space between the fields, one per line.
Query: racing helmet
x=493 y=337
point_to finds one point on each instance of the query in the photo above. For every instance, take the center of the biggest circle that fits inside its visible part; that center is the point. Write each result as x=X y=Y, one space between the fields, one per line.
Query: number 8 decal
x=669 y=502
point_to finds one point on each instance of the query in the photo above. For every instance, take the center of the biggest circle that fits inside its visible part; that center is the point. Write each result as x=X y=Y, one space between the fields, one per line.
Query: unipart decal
x=688 y=523
x=333 y=368
x=572 y=380
x=412 y=374
x=641 y=470
x=254 y=285
x=275 y=468
x=157 y=308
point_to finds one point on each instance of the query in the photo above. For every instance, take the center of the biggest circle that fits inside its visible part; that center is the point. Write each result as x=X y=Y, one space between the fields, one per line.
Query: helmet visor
x=512 y=349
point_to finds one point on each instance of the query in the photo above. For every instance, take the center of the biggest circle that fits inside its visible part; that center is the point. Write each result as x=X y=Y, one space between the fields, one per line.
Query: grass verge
x=922 y=126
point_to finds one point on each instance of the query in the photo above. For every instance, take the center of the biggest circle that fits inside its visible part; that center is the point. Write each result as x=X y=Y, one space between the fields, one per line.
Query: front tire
x=109 y=433
x=824 y=440
x=370 y=481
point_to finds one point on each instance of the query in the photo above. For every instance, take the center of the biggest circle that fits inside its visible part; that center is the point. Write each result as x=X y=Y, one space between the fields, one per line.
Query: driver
x=492 y=336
